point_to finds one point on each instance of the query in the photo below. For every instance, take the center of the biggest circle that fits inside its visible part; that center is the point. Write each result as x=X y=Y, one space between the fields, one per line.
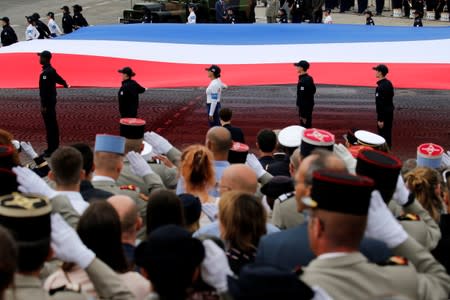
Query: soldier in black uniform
x=8 y=35
x=47 y=91
x=129 y=94
x=305 y=94
x=78 y=18
x=67 y=21
x=417 y=19
x=384 y=100
x=44 y=31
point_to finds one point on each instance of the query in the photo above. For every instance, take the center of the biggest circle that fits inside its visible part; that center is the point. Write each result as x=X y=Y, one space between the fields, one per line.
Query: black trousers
x=386 y=131
x=305 y=114
x=317 y=16
x=379 y=6
x=362 y=6
x=51 y=127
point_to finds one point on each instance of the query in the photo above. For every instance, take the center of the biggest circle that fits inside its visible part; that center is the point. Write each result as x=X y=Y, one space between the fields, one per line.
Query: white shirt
x=192 y=18
x=102 y=178
x=328 y=20
x=31 y=33
x=54 y=28
x=76 y=200
x=214 y=90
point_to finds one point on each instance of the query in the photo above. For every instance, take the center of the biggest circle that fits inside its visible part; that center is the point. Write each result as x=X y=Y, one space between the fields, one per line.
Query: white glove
x=382 y=225
x=211 y=210
x=67 y=244
x=345 y=154
x=138 y=164
x=401 y=192
x=28 y=149
x=160 y=145
x=256 y=166
x=30 y=183
x=215 y=267
x=445 y=163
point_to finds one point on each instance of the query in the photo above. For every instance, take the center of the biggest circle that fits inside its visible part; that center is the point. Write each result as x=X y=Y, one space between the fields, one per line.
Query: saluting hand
x=380 y=124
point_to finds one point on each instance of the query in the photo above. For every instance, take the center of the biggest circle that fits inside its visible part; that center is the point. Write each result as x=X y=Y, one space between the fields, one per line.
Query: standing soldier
x=384 y=100
x=8 y=35
x=305 y=94
x=78 y=18
x=67 y=21
x=213 y=95
x=47 y=91
x=129 y=94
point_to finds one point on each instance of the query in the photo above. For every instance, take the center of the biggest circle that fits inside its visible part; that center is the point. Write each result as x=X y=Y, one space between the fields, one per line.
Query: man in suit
x=225 y=115
x=335 y=231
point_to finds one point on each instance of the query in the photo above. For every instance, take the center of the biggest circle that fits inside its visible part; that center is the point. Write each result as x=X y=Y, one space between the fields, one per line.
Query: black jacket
x=369 y=21
x=279 y=166
x=384 y=100
x=8 y=36
x=418 y=22
x=129 y=98
x=305 y=92
x=236 y=133
x=44 y=32
x=67 y=23
x=90 y=193
x=79 y=20
x=47 y=85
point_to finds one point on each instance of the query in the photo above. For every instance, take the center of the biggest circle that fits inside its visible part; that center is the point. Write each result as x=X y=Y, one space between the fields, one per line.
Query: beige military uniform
x=61 y=204
x=107 y=283
x=163 y=178
x=424 y=229
x=284 y=213
x=351 y=276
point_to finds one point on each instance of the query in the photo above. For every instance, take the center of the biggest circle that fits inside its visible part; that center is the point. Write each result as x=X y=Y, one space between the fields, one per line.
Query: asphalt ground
x=180 y=115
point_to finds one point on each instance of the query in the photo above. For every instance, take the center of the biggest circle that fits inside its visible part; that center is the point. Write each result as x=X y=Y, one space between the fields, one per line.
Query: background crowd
x=304 y=217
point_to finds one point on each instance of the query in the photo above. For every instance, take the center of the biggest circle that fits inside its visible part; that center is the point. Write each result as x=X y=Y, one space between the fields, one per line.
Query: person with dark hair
x=47 y=91
x=192 y=207
x=129 y=94
x=242 y=221
x=305 y=94
x=31 y=33
x=266 y=142
x=52 y=26
x=39 y=237
x=67 y=20
x=214 y=94
x=282 y=16
x=225 y=115
x=87 y=190
x=8 y=35
x=100 y=230
x=8 y=260
x=417 y=19
x=44 y=31
x=384 y=101
x=66 y=171
x=171 y=259
x=369 y=15
x=164 y=208
x=78 y=18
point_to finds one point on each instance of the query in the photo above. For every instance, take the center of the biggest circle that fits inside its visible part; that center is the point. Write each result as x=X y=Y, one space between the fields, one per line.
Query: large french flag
x=175 y=55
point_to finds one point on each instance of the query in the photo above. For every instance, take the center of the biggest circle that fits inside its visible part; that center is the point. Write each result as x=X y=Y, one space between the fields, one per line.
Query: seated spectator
x=266 y=141
x=192 y=211
x=66 y=171
x=197 y=169
x=242 y=221
x=225 y=115
x=163 y=208
x=130 y=223
x=99 y=228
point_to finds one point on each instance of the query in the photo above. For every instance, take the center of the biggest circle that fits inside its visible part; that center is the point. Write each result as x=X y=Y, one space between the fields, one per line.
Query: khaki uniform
x=352 y=277
x=162 y=176
x=424 y=230
x=285 y=214
x=61 y=205
x=108 y=285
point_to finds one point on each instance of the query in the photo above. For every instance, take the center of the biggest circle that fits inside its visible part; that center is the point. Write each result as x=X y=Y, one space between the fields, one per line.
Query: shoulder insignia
x=298 y=270
x=395 y=261
x=408 y=217
x=128 y=187
x=285 y=197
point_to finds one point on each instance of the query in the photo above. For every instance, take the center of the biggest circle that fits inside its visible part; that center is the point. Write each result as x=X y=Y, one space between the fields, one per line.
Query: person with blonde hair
x=242 y=220
x=197 y=169
x=425 y=183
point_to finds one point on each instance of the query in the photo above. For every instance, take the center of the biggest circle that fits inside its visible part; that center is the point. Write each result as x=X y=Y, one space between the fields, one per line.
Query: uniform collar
x=102 y=178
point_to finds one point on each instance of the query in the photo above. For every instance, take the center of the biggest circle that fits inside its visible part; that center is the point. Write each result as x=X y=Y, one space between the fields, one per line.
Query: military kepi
x=314 y=138
x=429 y=155
x=340 y=192
x=382 y=167
x=110 y=143
x=131 y=128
